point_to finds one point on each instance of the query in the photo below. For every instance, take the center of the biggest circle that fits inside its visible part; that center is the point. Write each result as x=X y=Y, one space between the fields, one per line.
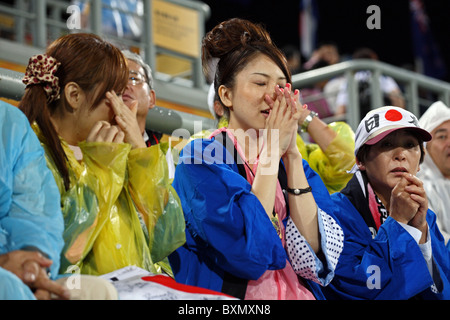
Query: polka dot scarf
x=41 y=69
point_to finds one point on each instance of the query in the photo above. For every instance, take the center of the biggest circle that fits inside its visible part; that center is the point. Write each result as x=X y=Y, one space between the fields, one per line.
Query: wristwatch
x=308 y=120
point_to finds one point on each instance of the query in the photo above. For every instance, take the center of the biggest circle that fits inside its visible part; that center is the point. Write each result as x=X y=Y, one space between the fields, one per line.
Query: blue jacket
x=30 y=208
x=229 y=240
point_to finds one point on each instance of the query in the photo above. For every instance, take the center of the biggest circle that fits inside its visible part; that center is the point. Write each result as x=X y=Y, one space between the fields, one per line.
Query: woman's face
x=248 y=110
x=388 y=159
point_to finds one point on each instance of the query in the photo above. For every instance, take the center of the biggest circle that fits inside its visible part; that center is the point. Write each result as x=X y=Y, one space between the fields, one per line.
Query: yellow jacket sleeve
x=333 y=163
x=156 y=201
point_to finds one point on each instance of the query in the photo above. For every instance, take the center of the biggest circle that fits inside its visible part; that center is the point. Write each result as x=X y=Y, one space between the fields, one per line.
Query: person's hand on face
x=127 y=121
x=103 y=131
x=127 y=129
x=293 y=99
x=284 y=117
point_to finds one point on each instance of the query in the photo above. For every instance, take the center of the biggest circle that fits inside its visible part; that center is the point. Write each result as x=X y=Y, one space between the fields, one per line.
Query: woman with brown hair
x=247 y=194
x=113 y=188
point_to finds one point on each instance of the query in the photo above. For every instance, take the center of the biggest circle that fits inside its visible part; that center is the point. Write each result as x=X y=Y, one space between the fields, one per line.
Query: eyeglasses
x=135 y=78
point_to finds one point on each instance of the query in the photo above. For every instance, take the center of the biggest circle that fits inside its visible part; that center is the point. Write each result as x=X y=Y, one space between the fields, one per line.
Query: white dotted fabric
x=303 y=259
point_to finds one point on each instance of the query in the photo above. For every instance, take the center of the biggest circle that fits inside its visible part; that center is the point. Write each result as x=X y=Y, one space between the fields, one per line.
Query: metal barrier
x=42 y=19
x=167 y=121
x=160 y=119
x=415 y=85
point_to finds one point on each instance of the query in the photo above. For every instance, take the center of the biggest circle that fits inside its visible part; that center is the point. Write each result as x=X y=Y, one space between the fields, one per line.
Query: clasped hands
x=283 y=117
x=31 y=268
x=409 y=203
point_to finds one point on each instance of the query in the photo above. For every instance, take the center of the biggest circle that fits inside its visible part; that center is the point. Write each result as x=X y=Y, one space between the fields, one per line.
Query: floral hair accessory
x=41 y=69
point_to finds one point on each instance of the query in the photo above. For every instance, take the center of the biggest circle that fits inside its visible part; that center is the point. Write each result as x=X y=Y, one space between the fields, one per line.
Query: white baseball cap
x=380 y=122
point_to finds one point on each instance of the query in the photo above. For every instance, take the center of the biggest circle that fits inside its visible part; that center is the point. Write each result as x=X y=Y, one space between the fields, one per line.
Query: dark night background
x=344 y=23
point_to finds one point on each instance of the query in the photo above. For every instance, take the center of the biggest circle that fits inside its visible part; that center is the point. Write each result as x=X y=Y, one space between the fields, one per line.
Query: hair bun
x=231 y=35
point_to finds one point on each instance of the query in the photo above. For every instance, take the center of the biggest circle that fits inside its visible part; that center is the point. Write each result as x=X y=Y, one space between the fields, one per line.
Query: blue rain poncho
x=30 y=212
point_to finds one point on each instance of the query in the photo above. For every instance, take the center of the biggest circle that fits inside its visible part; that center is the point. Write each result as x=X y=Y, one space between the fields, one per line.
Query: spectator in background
x=435 y=170
x=121 y=19
x=326 y=54
x=332 y=86
x=293 y=57
x=140 y=89
x=331 y=154
x=392 y=94
x=314 y=97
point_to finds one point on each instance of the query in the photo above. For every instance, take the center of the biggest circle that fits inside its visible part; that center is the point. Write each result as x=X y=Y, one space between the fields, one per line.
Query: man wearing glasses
x=140 y=88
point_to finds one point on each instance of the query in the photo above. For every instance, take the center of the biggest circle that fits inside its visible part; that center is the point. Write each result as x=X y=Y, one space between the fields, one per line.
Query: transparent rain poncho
x=332 y=164
x=120 y=209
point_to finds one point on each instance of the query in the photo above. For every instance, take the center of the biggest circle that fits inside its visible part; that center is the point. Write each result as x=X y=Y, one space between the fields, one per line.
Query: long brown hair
x=234 y=43
x=86 y=59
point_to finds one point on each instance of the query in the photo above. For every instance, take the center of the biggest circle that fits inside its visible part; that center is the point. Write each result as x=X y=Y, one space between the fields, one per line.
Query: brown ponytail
x=34 y=105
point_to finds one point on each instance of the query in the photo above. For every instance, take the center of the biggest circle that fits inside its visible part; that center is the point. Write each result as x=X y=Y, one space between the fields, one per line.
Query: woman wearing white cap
x=435 y=170
x=393 y=248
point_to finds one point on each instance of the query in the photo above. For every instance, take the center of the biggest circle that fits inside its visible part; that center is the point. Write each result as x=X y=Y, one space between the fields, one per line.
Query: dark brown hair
x=235 y=42
x=95 y=65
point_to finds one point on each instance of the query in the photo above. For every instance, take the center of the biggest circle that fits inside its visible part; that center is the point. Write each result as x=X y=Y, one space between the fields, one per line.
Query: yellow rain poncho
x=332 y=164
x=120 y=209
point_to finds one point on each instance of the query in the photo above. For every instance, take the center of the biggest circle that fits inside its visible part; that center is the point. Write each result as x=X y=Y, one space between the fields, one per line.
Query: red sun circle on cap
x=393 y=115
